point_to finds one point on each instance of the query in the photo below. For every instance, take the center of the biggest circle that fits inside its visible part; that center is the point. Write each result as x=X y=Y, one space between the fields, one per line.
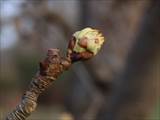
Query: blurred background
x=121 y=83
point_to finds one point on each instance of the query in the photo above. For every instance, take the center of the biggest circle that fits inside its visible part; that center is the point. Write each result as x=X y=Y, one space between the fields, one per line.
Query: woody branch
x=82 y=46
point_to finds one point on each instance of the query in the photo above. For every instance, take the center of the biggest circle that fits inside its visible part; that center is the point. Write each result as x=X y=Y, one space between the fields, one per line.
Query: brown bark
x=50 y=69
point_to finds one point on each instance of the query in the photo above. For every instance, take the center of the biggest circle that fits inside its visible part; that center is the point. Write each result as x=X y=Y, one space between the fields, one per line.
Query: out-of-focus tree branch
x=137 y=92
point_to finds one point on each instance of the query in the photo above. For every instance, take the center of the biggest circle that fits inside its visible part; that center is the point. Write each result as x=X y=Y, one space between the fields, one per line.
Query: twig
x=50 y=69
x=81 y=47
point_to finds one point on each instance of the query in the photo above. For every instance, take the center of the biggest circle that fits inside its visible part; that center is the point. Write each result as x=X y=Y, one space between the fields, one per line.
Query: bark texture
x=50 y=69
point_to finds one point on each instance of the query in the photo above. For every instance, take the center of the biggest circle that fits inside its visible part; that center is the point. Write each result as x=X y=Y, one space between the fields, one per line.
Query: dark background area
x=122 y=82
